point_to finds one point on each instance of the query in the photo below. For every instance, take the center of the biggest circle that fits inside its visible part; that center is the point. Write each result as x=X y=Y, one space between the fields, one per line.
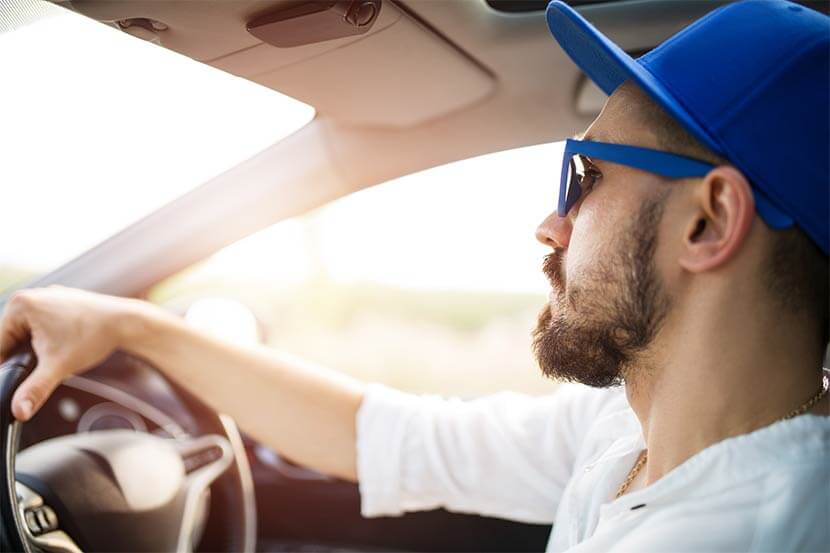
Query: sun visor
x=424 y=78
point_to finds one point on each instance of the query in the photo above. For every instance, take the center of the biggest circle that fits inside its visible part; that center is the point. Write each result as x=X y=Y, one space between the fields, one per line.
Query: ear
x=723 y=215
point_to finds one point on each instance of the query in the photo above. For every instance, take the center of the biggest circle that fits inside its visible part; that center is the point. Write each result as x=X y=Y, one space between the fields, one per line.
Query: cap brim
x=607 y=65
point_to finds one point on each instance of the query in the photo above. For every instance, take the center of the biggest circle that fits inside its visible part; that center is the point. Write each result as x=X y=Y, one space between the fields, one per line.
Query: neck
x=712 y=377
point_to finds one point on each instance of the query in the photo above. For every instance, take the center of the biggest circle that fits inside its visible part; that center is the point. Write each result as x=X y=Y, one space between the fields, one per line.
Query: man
x=689 y=262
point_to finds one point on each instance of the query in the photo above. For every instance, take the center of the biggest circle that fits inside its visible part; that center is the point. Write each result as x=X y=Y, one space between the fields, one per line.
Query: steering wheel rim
x=12 y=373
x=236 y=483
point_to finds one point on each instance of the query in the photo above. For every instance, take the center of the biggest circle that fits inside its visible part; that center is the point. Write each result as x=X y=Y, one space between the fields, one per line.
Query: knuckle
x=20 y=299
x=36 y=392
x=40 y=389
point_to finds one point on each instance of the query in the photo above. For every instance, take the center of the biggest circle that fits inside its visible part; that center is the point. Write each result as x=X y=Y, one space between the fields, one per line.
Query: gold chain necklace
x=800 y=410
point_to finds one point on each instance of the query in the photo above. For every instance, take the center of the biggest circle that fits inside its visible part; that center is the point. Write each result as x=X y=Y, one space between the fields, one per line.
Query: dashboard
x=82 y=404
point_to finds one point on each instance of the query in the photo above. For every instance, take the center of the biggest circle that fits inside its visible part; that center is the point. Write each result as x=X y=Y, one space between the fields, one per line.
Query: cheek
x=593 y=235
x=675 y=224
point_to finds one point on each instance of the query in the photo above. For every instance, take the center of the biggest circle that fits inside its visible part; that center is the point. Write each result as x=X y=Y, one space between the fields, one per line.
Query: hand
x=70 y=331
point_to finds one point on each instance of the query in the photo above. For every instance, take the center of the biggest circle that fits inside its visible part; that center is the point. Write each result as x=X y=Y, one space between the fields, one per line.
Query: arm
x=507 y=455
x=305 y=412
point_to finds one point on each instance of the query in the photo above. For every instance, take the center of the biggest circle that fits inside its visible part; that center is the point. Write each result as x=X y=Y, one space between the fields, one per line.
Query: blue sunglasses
x=575 y=174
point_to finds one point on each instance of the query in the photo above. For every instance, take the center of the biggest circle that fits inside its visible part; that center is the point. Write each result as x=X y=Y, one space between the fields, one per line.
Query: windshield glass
x=430 y=283
x=100 y=128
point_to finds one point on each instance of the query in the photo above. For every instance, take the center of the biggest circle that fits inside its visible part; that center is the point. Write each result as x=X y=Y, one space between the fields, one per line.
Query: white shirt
x=561 y=458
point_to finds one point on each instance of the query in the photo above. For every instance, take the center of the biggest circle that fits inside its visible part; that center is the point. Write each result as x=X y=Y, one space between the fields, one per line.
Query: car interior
x=122 y=458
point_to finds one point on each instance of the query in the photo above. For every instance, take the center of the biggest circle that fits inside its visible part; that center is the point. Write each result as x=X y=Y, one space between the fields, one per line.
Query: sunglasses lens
x=573 y=179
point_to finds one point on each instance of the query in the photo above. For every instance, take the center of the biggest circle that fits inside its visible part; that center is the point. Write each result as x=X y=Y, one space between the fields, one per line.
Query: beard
x=593 y=331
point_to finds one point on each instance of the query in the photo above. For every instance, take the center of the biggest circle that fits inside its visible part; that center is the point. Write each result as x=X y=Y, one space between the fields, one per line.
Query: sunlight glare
x=100 y=128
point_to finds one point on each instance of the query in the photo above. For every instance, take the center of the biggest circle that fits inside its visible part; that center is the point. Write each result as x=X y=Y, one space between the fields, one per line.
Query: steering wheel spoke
x=41 y=523
x=205 y=458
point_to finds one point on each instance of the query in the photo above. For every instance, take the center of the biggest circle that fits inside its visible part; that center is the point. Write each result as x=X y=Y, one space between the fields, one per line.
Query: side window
x=430 y=283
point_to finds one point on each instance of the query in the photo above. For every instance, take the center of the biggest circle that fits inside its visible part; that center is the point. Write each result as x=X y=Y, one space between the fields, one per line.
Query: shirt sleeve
x=508 y=455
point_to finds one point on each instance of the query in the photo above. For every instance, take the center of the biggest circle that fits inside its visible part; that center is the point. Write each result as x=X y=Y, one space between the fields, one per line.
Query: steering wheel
x=119 y=490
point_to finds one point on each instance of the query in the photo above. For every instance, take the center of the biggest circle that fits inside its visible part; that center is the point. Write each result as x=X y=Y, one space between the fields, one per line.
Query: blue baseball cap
x=750 y=80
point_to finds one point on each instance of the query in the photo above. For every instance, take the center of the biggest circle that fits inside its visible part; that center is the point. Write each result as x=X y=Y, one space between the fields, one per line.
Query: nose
x=555 y=231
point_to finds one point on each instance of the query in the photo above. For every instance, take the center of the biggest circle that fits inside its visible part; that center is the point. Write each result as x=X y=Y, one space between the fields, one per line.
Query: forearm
x=305 y=412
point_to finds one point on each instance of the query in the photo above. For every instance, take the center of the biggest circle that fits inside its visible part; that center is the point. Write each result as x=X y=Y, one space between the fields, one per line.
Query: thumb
x=34 y=391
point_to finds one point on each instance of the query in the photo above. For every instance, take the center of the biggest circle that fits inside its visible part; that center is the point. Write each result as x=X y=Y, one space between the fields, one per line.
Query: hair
x=795 y=271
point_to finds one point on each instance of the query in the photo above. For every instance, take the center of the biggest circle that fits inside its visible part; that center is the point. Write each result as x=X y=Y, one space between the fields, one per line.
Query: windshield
x=429 y=282
x=100 y=128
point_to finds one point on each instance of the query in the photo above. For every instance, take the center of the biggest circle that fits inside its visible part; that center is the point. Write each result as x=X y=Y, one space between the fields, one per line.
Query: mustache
x=552 y=268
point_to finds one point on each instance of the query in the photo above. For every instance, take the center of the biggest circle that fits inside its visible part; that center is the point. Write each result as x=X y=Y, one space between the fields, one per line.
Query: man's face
x=608 y=300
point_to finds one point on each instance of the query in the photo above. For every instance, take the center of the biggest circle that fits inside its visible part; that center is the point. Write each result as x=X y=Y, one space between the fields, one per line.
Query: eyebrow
x=585 y=135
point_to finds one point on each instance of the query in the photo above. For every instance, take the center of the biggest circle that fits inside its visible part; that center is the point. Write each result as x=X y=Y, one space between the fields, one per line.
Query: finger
x=34 y=391
x=14 y=325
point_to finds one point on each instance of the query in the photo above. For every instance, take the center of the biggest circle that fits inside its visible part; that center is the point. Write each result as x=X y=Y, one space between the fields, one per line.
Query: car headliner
x=432 y=82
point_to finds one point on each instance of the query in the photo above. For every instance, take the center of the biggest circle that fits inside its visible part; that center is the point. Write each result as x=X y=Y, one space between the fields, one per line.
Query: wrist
x=135 y=321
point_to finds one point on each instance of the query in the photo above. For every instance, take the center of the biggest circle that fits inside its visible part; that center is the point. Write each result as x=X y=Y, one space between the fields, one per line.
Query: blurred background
x=430 y=283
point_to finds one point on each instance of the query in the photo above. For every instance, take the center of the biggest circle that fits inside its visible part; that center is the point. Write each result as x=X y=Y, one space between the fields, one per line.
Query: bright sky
x=467 y=225
x=101 y=128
